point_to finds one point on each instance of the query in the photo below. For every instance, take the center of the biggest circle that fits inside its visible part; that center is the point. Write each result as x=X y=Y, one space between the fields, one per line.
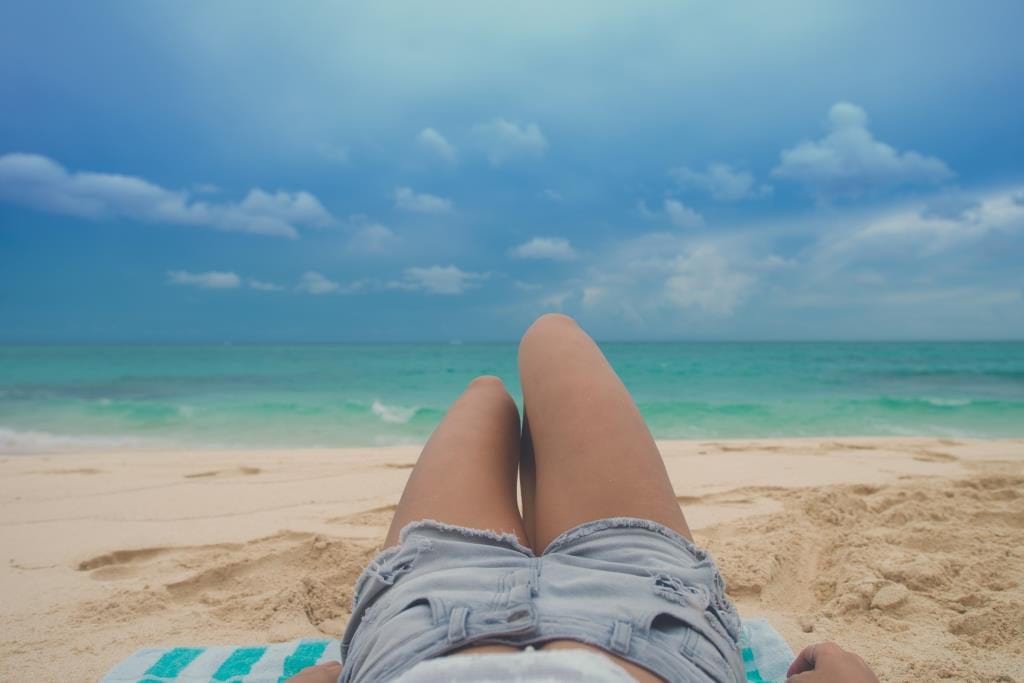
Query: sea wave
x=393 y=414
x=932 y=403
x=15 y=441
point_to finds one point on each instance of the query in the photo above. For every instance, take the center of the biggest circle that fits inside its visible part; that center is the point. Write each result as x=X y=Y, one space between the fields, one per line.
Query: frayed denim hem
x=592 y=527
x=506 y=539
x=511 y=541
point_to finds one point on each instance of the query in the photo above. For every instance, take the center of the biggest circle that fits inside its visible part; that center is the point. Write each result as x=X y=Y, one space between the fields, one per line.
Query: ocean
x=71 y=397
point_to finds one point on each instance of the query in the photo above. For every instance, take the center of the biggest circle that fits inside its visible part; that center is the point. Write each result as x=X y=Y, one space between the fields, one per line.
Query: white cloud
x=315 y=283
x=665 y=276
x=420 y=202
x=505 y=141
x=704 y=279
x=849 y=161
x=551 y=248
x=930 y=227
x=645 y=211
x=42 y=183
x=300 y=208
x=374 y=238
x=681 y=215
x=263 y=286
x=435 y=143
x=722 y=182
x=438 y=280
x=555 y=301
x=951 y=205
x=552 y=195
x=210 y=280
x=593 y=296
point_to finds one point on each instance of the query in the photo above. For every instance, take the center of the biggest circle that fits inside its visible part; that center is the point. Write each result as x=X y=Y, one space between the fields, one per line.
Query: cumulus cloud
x=704 y=279
x=672 y=277
x=506 y=141
x=420 y=202
x=849 y=161
x=951 y=205
x=555 y=301
x=315 y=283
x=722 y=182
x=438 y=280
x=645 y=211
x=436 y=144
x=374 y=238
x=681 y=215
x=593 y=296
x=209 y=280
x=928 y=228
x=43 y=184
x=550 y=248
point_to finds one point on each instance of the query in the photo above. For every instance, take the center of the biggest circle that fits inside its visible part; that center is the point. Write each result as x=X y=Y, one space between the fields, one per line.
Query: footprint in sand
x=119 y=564
x=233 y=472
x=380 y=516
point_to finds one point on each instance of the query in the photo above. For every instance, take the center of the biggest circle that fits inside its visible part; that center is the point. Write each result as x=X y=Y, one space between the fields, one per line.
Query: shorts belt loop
x=457 y=625
x=621 y=635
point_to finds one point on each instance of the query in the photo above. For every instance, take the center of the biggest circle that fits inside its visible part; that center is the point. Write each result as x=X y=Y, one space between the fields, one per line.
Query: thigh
x=593 y=455
x=466 y=474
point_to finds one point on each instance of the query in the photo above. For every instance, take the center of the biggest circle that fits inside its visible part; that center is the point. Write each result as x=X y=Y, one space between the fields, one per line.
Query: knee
x=491 y=389
x=486 y=383
x=547 y=325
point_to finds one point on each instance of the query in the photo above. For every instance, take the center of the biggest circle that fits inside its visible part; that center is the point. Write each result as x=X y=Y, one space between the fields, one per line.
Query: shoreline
x=107 y=552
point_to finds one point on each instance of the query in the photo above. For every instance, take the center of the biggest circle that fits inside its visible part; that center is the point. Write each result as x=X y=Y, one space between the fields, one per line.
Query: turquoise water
x=78 y=396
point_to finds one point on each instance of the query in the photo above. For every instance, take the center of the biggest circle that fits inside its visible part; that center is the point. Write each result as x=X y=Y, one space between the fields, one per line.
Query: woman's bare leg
x=592 y=452
x=466 y=474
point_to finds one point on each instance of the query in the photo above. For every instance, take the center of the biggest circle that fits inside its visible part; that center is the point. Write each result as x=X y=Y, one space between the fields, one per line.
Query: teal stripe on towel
x=173 y=662
x=305 y=655
x=239 y=663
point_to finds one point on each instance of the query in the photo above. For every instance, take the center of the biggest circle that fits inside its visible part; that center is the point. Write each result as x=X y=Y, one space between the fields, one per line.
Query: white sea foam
x=19 y=441
x=949 y=402
x=393 y=414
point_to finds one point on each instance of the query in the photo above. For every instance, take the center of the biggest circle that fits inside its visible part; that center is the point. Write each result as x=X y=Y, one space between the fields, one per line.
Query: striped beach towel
x=766 y=657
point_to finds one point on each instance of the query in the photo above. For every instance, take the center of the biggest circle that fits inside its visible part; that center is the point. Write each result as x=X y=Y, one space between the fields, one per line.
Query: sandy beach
x=909 y=551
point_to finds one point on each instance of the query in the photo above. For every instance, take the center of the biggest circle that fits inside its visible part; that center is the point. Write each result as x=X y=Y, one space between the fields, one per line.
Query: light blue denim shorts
x=632 y=587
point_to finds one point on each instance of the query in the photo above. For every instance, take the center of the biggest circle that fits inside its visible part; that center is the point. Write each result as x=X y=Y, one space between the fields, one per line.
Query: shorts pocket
x=707 y=597
x=680 y=632
x=403 y=632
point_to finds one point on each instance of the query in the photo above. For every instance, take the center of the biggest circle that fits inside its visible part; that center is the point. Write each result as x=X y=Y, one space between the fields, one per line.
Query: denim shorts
x=631 y=587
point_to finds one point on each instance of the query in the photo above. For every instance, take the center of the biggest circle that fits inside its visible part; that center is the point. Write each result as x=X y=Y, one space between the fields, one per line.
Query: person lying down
x=597 y=580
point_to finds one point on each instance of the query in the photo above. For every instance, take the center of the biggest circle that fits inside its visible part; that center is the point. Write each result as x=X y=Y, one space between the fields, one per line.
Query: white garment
x=525 y=666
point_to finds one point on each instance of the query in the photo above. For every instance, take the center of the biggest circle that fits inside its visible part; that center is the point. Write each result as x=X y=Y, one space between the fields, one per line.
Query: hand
x=828 y=663
x=327 y=672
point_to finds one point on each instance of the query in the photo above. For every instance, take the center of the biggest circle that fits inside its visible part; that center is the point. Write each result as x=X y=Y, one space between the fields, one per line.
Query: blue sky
x=232 y=171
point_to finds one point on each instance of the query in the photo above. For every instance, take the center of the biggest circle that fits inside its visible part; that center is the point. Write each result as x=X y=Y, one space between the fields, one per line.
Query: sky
x=435 y=171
